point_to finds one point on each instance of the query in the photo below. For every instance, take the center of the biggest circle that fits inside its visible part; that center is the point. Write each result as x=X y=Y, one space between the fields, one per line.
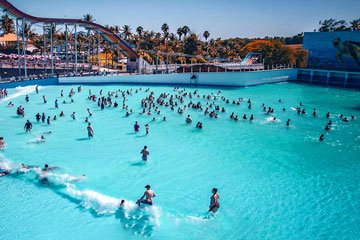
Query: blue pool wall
x=232 y=79
x=42 y=82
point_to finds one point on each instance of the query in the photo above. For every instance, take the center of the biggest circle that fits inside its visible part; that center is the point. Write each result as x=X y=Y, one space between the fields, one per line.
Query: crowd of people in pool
x=151 y=106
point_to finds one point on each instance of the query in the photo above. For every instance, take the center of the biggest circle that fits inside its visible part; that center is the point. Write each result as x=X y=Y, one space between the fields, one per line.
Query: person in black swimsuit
x=214 y=201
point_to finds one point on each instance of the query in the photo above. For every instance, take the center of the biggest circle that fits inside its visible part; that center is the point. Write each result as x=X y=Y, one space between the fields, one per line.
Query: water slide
x=250 y=58
x=109 y=35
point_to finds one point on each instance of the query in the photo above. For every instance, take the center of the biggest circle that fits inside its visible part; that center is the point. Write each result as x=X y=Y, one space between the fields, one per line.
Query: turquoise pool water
x=275 y=182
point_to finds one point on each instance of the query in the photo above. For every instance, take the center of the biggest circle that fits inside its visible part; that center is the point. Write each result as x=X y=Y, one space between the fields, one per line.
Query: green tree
x=27 y=30
x=354 y=25
x=126 y=29
x=165 y=29
x=179 y=32
x=140 y=30
x=185 y=30
x=206 y=35
x=88 y=17
x=332 y=25
x=192 y=45
x=7 y=24
x=116 y=29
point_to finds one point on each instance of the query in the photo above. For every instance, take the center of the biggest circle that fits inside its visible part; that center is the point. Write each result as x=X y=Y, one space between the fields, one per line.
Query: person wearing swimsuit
x=148 y=195
x=214 y=201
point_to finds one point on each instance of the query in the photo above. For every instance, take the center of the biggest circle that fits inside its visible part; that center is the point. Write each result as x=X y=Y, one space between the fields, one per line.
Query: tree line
x=183 y=45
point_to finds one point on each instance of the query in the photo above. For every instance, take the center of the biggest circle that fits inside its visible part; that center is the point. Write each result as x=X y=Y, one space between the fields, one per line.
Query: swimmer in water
x=10 y=104
x=147 y=128
x=47 y=168
x=2 y=143
x=164 y=119
x=148 y=195
x=214 y=201
x=122 y=204
x=145 y=152
x=73 y=116
x=327 y=128
x=4 y=173
x=90 y=131
x=288 y=122
x=188 y=119
x=321 y=138
x=90 y=113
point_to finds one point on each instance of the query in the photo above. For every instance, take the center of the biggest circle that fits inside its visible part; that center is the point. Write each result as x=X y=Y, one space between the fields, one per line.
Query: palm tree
x=139 y=30
x=7 y=24
x=206 y=35
x=27 y=30
x=88 y=17
x=355 y=24
x=179 y=32
x=185 y=30
x=126 y=29
x=117 y=29
x=165 y=29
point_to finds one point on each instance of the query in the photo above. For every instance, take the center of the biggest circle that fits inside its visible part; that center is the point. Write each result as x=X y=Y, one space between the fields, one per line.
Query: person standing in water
x=145 y=152
x=37 y=89
x=147 y=128
x=188 y=119
x=2 y=143
x=136 y=127
x=90 y=131
x=56 y=104
x=148 y=195
x=28 y=126
x=214 y=201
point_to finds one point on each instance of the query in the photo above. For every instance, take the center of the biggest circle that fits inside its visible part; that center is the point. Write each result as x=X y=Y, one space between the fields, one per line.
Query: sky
x=222 y=18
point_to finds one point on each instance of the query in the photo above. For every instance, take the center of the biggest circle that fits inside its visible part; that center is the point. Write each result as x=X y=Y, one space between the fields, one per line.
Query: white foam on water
x=102 y=204
x=37 y=140
x=19 y=92
x=271 y=119
x=8 y=165
x=140 y=219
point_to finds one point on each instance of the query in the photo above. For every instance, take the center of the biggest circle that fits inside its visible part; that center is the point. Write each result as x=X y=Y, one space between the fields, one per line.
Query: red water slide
x=109 y=35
